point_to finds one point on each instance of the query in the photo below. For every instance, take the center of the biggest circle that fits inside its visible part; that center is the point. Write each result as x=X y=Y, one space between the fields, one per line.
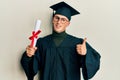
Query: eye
x=56 y=17
x=63 y=19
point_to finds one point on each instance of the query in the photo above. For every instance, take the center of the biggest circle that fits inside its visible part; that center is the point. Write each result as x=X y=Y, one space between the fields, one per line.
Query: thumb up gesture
x=81 y=48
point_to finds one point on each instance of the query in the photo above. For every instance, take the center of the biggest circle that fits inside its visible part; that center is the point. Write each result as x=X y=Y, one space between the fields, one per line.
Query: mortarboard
x=64 y=9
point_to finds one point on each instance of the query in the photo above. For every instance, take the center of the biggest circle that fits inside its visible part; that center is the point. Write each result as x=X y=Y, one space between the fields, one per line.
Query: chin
x=58 y=31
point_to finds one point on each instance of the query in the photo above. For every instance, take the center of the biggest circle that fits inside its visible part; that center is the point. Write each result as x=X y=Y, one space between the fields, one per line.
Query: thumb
x=35 y=48
x=84 y=41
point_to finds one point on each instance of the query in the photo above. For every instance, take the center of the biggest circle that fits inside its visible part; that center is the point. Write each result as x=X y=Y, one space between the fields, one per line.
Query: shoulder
x=45 y=38
x=74 y=39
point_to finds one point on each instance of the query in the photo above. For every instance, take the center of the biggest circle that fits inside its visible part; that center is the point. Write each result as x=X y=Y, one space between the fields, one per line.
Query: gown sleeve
x=31 y=65
x=26 y=63
x=90 y=62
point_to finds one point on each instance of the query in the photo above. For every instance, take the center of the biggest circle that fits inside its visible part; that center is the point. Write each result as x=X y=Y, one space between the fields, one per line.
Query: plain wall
x=99 y=21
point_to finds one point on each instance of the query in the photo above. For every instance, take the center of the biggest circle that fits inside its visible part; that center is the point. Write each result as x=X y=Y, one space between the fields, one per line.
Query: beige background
x=99 y=21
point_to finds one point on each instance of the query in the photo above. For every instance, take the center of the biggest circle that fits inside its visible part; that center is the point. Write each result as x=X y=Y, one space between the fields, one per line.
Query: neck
x=61 y=34
x=58 y=37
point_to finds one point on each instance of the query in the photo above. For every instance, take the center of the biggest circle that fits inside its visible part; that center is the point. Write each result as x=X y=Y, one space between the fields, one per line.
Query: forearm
x=27 y=64
x=92 y=62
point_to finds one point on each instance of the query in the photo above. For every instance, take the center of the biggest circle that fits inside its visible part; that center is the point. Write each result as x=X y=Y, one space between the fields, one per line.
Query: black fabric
x=58 y=37
x=61 y=62
x=27 y=63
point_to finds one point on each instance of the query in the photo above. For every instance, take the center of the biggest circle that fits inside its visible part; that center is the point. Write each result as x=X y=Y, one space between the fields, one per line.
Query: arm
x=89 y=59
x=91 y=62
x=30 y=61
x=26 y=63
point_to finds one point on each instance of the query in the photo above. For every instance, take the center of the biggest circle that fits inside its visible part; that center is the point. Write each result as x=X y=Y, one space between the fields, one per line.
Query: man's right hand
x=30 y=51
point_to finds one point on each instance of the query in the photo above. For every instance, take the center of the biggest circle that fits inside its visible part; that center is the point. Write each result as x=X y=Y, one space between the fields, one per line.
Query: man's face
x=60 y=23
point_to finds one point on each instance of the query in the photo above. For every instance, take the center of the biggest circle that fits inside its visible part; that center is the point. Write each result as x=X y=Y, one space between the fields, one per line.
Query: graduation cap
x=64 y=9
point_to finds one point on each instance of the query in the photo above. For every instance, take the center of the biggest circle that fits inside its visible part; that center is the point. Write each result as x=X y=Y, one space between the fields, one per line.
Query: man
x=59 y=56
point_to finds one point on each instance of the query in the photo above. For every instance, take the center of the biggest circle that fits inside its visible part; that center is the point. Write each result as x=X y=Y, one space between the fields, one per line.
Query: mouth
x=57 y=26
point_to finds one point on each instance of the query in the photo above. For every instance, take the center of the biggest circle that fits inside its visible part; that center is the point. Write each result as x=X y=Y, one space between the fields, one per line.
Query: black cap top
x=64 y=9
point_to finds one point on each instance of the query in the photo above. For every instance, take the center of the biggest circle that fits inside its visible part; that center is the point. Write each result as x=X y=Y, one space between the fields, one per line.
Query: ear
x=52 y=19
x=68 y=23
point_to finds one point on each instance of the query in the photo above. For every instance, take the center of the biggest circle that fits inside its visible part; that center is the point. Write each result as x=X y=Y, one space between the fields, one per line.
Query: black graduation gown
x=61 y=62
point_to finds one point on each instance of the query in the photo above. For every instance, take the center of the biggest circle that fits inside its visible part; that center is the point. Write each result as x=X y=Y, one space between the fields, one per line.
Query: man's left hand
x=81 y=48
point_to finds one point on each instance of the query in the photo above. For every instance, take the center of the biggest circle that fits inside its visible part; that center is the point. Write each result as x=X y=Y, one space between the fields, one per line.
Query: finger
x=30 y=55
x=78 y=48
x=31 y=48
x=84 y=41
x=35 y=48
x=78 y=45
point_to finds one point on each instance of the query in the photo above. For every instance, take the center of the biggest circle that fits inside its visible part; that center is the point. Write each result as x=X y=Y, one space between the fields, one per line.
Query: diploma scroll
x=35 y=33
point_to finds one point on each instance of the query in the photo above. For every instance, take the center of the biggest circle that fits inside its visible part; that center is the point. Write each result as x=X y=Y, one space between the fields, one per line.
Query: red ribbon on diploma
x=34 y=35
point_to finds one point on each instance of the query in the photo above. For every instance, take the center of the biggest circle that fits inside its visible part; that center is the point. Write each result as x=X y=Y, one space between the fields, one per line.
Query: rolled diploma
x=37 y=27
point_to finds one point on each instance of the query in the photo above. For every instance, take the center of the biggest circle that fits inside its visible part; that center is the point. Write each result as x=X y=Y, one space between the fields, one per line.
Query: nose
x=59 y=20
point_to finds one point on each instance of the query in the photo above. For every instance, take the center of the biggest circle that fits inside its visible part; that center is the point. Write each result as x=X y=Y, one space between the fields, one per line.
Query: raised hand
x=30 y=51
x=81 y=48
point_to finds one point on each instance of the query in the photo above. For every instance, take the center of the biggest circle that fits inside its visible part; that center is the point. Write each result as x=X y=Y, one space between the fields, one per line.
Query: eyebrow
x=61 y=17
